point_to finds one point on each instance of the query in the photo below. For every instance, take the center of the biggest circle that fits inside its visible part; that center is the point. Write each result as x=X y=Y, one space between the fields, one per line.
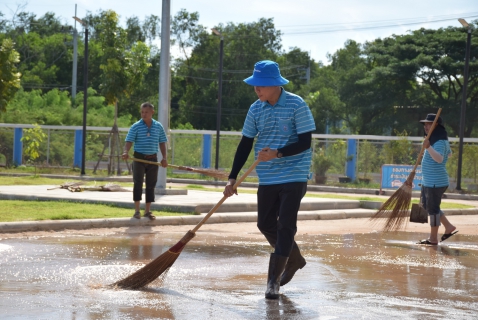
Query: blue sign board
x=393 y=176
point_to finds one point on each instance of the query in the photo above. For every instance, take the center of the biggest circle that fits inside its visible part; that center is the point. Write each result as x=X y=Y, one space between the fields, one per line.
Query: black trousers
x=139 y=171
x=278 y=206
x=431 y=200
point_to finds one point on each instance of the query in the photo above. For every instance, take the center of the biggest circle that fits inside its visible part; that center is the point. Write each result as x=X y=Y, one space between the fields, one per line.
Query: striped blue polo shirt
x=146 y=140
x=434 y=173
x=278 y=126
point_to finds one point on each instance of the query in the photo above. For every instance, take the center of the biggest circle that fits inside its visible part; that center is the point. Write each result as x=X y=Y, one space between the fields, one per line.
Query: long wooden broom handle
x=422 y=151
x=153 y=162
x=238 y=182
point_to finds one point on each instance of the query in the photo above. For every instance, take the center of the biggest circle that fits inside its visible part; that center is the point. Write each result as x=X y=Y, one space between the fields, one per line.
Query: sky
x=315 y=26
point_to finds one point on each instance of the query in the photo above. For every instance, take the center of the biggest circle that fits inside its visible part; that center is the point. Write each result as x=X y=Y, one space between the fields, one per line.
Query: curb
x=198 y=209
x=130 y=204
x=80 y=224
x=317 y=188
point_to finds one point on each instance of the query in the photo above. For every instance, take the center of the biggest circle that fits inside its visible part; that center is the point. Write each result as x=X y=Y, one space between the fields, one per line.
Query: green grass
x=37 y=180
x=18 y=210
x=30 y=181
x=451 y=205
x=195 y=186
x=371 y=185
x=104 y=173
x=55 y=170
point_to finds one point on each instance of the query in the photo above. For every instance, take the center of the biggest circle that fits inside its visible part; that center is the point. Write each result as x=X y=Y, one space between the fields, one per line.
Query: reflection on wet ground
x=371 y=276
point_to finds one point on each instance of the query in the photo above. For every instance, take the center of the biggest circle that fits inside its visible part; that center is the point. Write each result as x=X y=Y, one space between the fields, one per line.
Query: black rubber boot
x=276 y=267
x=296 y=261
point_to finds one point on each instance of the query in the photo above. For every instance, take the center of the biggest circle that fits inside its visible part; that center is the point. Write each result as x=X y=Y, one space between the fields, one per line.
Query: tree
x=346 y=105
x=293 y=66
x=9 y=76
x=326 y=107
x=151 y=27
x=123 y=70
x=186 y=31
x=134 y=32
x=426 y=66
x=33 y=138
x=146 y=30
x=44 y=48
x=244 y=45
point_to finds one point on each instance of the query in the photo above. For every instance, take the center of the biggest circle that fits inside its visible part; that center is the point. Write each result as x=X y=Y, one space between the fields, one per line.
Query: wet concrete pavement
x=222 y=275
x=353 y=271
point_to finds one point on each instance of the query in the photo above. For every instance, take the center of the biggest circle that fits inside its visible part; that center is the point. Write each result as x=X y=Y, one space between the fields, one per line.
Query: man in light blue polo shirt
x=283 y=125
x=148 y=137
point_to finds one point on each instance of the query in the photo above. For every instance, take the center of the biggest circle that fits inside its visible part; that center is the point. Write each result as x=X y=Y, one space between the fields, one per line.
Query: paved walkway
x=241 y=208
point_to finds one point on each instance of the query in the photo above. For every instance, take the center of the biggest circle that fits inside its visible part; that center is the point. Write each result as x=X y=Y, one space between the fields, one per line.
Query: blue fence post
x=78 y=147
x=17 y=146
x=351 y=159
x=206 y=150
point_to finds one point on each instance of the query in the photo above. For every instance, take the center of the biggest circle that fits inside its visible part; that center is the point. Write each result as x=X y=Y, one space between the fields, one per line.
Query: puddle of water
x=347 y=276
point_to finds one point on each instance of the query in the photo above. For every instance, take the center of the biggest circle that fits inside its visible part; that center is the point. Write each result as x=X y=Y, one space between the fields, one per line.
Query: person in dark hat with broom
x=283 y=125
x=435 y=178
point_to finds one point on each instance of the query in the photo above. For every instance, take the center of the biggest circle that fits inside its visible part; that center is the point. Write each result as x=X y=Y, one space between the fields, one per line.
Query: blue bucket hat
x=266 y=74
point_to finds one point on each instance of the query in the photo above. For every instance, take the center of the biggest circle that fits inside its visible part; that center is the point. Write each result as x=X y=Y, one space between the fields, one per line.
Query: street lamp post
x=85 y=95
x=219 y=95
x=463 y=103
x=164 y=99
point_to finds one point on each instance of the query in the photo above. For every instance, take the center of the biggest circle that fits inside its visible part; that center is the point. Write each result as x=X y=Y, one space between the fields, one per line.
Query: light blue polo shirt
x=276 y=127
x=434 y=173
x=146 y=140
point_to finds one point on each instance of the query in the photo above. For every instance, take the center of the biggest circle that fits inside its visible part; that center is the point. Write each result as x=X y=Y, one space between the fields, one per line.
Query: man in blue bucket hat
x=283 y=125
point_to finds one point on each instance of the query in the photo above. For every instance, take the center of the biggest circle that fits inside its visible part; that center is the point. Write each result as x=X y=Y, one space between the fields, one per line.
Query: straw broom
x=68 y=185
x=397 y=208
x=208 y=172
x=160 y=265
x=107 y=187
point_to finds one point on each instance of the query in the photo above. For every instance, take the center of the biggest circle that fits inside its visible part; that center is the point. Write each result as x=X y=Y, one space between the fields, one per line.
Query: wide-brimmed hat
x=266 y=74
x=431 y=117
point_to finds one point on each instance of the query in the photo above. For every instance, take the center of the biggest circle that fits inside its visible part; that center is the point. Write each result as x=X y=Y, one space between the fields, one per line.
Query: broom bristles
x=397 y=208
x=107 y=187
x=156 y=268
x=113 y=187
x=67 y=185
x=160 y=266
